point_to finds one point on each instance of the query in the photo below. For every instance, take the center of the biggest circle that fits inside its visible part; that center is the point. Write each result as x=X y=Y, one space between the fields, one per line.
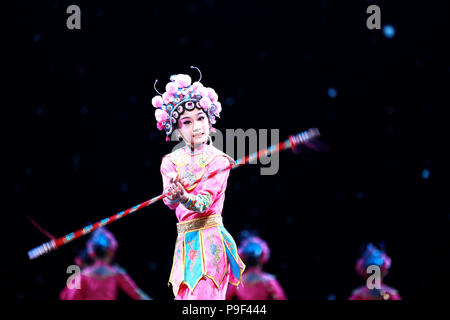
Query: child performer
x=101 y=280
x=374 y=257
x=256 y=284
x=205 y=258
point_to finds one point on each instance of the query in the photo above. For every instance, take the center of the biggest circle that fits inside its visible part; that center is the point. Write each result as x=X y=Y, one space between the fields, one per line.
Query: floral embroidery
x=199 y=203
x=193 y=255
x=215 y=251
x=205 y=157
x=189 y=174
x=229 y=243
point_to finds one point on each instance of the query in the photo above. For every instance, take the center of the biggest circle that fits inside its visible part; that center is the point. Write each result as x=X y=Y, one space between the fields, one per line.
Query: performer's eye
x=201 y=118
x=186 y=122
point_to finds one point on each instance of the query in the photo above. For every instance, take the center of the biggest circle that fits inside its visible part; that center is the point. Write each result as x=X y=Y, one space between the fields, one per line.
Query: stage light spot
x=331 y=297
x=389 y=31
x=425 y=174
x=229 y=101
x=290 y=220
x=84 y=110
x=332 y=93
x=152 y=266
x=263 y=54
x=81 y=72
x=37 y=37
x=76 y=162
x=124 y=187
x=184 y=41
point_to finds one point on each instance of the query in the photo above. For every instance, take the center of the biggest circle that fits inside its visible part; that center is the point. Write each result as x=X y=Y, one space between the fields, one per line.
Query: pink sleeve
x=210 y=188
x=276 y=291
x=219 y=181
x=130 y=288
x=167 y=168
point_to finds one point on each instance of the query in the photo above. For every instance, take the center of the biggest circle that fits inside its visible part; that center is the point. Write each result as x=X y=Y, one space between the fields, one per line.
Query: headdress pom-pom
x=157 y=101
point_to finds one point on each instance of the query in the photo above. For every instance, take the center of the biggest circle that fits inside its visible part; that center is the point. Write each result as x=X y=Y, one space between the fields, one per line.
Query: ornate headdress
x=254 y=248
x=104 y=239
x=179 y=96
x=373 y=256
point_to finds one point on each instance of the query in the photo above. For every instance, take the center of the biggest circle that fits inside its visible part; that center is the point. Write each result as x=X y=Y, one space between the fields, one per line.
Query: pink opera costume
x=205 y=258
x=256 y=284
x=82 y=260
x=374 y=257
x=101 y=280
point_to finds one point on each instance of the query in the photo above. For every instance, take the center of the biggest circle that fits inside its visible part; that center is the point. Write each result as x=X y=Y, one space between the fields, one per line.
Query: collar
x=199 y=149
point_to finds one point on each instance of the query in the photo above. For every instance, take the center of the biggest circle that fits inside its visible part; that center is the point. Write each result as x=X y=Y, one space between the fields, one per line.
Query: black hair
x=100 y=251
x=85 y=257
x=252 y=254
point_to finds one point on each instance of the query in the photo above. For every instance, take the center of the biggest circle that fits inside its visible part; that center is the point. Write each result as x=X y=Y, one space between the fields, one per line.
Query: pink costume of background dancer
x=82 y=260
x=205 y=258
x=256 y=284
x=374 y=257
x=101 y=281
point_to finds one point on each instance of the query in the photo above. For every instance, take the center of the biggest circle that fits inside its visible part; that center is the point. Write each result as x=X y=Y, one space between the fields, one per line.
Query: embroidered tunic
x=209 y=252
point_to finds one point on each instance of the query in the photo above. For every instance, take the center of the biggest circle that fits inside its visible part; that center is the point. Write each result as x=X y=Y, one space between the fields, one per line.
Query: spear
x=291 y=142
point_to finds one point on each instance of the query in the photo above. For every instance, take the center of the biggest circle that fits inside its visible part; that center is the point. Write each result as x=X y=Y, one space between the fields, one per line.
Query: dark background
x=81 y=144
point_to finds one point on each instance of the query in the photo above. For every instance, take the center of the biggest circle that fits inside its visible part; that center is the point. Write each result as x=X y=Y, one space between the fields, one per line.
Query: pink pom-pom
x=171 y=88
x=157 y=101
x=212 y=94
x=167 y=138
x=167 y=97
x=183 y=80
x=202 y=91
x=197 y=85
x=205 y=102
x=218 y=108
x=161 y=115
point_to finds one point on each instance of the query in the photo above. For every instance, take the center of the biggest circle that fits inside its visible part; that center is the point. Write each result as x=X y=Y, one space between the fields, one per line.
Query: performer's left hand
x=177 y=191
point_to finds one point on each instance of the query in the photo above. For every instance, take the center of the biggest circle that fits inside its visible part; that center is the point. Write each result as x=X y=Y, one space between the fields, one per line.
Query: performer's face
x=194 y=126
